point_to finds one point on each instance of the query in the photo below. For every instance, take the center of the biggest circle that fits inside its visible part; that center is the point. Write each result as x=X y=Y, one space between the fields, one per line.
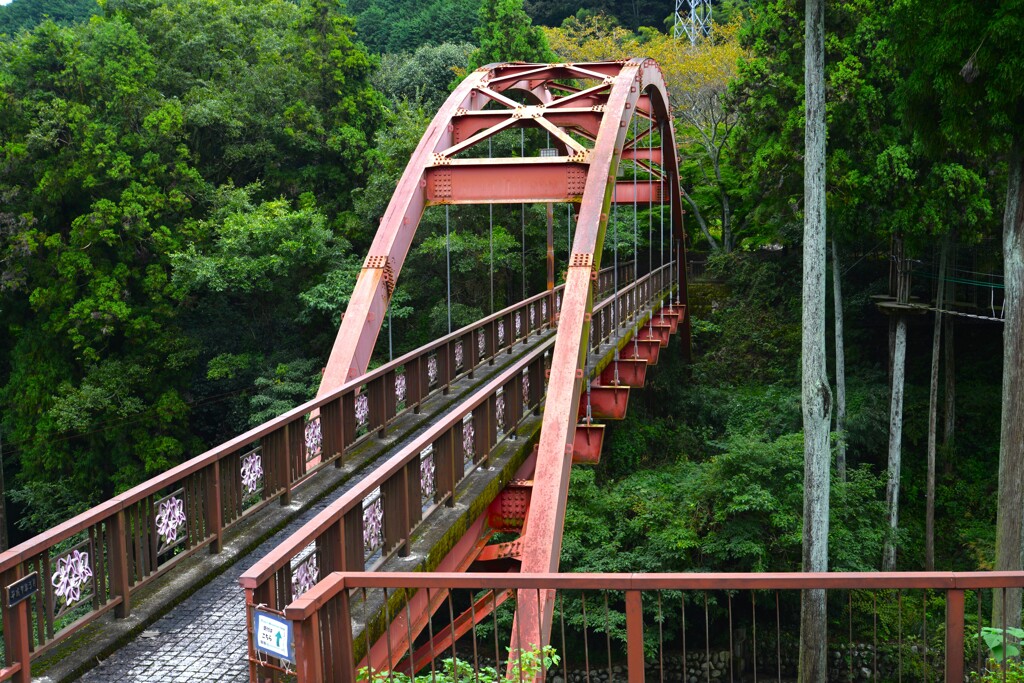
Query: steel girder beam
x=551 y=179
x=630 y=372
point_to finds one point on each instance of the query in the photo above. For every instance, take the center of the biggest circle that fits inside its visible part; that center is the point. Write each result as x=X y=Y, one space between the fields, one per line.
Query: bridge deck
x=203 y=638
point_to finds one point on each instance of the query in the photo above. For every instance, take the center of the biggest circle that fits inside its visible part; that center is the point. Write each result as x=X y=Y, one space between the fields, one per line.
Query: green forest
x=188 y=189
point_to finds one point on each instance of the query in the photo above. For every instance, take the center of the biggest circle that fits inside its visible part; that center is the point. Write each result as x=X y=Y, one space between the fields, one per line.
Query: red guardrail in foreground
x=325 y=649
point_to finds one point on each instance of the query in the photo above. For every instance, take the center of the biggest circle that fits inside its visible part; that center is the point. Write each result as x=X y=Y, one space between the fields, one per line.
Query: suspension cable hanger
x=615 y=279
x=448 y=261
x=490 y=233
x=636 y=259
x=522 y=210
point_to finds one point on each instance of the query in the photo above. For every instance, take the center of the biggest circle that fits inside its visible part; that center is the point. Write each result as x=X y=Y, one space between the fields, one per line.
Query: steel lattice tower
x=698 y=23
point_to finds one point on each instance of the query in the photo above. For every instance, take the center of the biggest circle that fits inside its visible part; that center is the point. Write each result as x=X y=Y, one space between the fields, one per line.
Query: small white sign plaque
x=274 y=635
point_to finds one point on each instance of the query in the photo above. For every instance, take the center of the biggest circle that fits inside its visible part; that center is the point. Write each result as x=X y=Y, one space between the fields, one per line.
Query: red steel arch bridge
x=444 y=470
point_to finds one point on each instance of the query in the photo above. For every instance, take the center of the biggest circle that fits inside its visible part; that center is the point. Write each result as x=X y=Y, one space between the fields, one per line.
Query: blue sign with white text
x=273 y=635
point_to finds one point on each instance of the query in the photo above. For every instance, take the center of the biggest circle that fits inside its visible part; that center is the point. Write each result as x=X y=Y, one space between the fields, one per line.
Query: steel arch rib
x=542 y=537
x=361 y=323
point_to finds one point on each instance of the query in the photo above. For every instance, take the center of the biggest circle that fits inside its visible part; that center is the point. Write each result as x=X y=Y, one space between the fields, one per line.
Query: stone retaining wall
x=698 y=670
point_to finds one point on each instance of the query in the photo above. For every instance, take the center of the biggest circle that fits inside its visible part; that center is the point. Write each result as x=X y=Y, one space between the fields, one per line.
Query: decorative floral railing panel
x=432 y=369
x=305 y=569
x=170 y=521
x=373 y=524
x=72 y=578
x=468 y=444
x=428 y=478
x=314 y=438
x=400 y=390
x=499 y=411
x=362 y=411
x=252 y=472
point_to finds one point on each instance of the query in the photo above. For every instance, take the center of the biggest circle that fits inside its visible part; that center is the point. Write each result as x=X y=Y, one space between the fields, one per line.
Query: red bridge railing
x=377 y=517
x=94 y=562
x=646 y=624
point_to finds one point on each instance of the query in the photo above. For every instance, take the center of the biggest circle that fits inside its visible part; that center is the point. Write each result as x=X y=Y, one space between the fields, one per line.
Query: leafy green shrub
x=526 y=665
x=1004 y=663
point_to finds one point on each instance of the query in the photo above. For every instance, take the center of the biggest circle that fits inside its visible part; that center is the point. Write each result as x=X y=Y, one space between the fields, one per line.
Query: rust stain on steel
x=632 y=372
x=586 y=447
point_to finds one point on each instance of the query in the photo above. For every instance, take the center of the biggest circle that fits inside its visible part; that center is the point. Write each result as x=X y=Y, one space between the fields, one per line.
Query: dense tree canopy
x=506 y=34
x=123 y=143
x=26 y=14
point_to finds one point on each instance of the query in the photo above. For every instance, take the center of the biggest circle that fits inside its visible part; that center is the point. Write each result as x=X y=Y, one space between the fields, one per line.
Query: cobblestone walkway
x=203 y=638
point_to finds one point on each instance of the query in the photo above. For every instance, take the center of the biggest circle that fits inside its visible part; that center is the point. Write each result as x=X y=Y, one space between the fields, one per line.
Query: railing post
x=510 y=332
x=331 y=550
x=492 y=341
x=396 y=513
x=444 y=463
x=308 y=667
x=333 y=425
x=352 y=541
x=445 y=364
x=536 y=374
x=214 y=509
x=513 y=405
x=344 y=657
x=285 y=464
x=470 y=352
x=250 y=653
x=635 y=636
x=390 y=398
x=954 y=636
x=119 y=578
x=376 y=398
x=482 y=432
x=414 y=495
x=17 y=639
